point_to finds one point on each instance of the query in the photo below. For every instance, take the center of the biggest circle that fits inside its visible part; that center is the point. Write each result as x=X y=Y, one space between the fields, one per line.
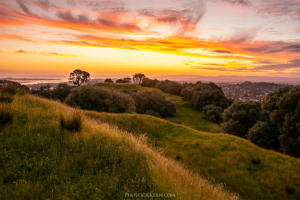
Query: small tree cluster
x=100 y=99
x=240 y=117
x=154 y=103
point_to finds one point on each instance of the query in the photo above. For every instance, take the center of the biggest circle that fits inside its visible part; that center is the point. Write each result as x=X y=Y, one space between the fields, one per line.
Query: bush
x=263 y=135
x=213 y=113
x=6 y=116
x=61 y=92
x=108 y=80
x=240 y=117
x=203 y=94
x=6 y=98
x=283 y=108
x=100 y=99
x=171 y=87
x=154 y=103
x=9 y=89
x=73 y=123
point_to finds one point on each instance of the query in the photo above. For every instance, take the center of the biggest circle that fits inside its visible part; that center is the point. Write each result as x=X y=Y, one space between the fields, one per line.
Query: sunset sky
x=155 y=37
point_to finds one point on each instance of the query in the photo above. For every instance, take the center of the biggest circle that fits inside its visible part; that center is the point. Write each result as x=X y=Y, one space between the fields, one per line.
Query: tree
x=147 y=82
x=124 y=80
x=171 y=87
x=264 y=135
x=100 y=99
x=154 y=103
x=78 y=77
x=138 y=78
x=203 y=94
x=283 y=108
x=61 y=91
x=108 y=80
x=213 y=113
x=240 y=117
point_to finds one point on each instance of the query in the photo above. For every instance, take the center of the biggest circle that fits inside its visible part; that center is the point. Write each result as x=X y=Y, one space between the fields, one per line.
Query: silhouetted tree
x=78 y=77
x=124 y=80
x=138 y=78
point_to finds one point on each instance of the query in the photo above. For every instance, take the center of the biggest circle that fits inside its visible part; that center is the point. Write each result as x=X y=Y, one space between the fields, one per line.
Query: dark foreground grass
x=38 y=160
x=250 y=171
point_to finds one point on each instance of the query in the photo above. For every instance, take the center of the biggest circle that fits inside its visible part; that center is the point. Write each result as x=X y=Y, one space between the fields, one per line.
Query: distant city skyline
x=237 y=38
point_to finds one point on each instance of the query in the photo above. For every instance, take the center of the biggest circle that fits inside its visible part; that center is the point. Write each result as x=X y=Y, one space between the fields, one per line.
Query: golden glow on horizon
x=129 y=41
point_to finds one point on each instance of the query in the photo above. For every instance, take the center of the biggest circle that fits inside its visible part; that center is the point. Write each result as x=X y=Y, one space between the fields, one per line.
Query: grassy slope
x=220 y=157
x=40 y=161
x=184 y=114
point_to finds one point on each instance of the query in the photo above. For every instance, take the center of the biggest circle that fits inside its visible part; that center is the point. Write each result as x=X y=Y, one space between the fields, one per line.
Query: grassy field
x=184 y=113
x=39 y=160
x=252 y=172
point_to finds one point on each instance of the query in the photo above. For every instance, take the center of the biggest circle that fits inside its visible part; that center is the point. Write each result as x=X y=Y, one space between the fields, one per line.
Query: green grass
x=252 y=172
x=38 y=160
x=184 y=115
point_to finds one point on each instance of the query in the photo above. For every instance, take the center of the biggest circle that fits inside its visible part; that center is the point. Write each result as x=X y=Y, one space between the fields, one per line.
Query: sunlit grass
x=244 y=168
x=38 y=160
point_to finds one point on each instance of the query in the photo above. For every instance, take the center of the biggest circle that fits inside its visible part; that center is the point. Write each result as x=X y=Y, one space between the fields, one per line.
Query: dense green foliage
x=240 y=117
x=100 y=99
x=171 y=87
x=203 y=94
x=59 y=93
x=154 y=103
x=264 y=135
x=213 y=113
x=283 y=108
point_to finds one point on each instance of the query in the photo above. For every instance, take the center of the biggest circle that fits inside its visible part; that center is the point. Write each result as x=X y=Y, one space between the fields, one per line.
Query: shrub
x=263 y=135
x=203 y=94
x=154 y=103
x=9 y=89
x=6 y=98
x=100 y=99
x=171 y=87
x=283 y=108
x=240 y=117
x=6 y=115
x=213 y=113
x=108 y=80
x=73 y=123
x=61 y=92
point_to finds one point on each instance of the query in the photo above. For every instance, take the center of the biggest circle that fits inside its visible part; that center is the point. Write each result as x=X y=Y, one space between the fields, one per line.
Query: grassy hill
x=39 y=160
x=252 y=172
x=184 y=114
